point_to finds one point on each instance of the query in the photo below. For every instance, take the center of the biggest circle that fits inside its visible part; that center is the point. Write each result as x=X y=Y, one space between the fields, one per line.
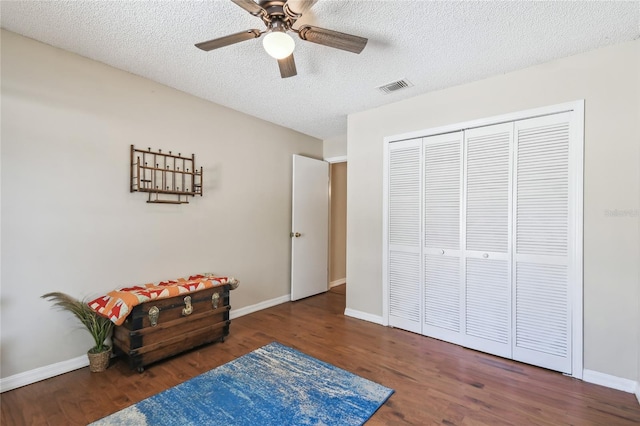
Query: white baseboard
x=42 y=373
x=48 y=371
x=337 y=282
x=610 y=381
x=364 y=316
x=638 y=392
x=237 y=313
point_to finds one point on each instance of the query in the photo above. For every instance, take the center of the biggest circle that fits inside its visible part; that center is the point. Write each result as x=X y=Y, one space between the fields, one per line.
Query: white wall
x=609 y=81
x=69 y=222
x=334 y=147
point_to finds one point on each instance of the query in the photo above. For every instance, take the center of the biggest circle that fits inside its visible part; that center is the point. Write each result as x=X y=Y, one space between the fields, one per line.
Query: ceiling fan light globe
x=278 y=44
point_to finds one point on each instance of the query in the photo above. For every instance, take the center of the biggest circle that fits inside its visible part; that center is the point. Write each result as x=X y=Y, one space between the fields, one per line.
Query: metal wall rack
x=161 y=175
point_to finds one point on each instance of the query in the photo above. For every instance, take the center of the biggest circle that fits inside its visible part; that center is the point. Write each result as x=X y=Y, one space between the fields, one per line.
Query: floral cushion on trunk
x=117 y=304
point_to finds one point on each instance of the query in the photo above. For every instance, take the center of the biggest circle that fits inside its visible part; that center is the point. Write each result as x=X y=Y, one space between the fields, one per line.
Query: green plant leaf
x=98 y=326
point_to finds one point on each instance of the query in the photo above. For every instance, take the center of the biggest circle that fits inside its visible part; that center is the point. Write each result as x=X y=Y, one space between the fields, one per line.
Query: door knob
x=295 y=234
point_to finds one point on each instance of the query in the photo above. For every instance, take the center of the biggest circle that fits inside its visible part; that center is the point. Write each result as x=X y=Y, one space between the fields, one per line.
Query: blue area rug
x=273 y=385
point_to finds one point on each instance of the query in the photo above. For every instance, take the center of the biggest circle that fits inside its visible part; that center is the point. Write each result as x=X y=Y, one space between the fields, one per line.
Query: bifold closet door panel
x=486 y=238
x=542 y=314
x=442 y=199
x=404 y=234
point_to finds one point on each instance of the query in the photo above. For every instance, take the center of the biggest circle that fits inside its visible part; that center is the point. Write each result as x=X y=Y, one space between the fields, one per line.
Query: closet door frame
x=576 y=205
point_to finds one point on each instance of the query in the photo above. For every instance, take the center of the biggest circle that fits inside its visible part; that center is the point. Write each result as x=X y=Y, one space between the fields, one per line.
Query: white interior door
x=309 y=227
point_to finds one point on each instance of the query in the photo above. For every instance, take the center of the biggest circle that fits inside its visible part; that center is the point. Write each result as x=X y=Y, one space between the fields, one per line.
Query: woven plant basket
x=100 y=361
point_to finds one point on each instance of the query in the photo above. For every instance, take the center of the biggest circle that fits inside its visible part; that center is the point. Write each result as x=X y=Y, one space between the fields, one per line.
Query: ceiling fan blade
x=217 y=43
x=297 y=8
x=251 y=6
x=332 y=38
x=287 y=67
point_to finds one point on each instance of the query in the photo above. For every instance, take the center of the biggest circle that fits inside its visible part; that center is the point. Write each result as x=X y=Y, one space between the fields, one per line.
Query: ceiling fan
x=279 y=18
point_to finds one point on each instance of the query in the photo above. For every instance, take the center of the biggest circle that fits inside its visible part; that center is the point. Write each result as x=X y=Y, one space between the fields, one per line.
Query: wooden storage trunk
x=181 y=323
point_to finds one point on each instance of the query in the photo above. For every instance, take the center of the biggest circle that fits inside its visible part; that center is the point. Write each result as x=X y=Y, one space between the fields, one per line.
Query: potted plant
x=98 y=326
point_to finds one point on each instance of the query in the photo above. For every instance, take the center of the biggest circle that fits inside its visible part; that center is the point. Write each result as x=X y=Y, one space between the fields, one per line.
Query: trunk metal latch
x=188 y=307
x=215 y=298
x=154 y=313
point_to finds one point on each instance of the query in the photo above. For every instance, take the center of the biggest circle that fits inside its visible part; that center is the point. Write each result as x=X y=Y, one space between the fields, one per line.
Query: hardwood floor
x=434 y=382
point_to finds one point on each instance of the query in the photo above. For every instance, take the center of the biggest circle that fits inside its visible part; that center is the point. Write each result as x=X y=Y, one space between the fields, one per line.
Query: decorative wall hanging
x=165 y=175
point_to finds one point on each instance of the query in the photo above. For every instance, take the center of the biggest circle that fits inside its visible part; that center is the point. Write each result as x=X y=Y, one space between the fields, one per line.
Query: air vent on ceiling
x=395 y=86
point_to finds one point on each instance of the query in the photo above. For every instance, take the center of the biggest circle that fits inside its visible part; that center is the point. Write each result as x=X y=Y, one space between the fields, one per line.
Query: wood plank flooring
x=436 y=383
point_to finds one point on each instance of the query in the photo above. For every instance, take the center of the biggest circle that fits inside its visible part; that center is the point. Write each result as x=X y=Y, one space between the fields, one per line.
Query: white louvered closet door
x=485 y=237
x=487 y=242
x=542 y=314
x=404 y=228
x=443 y=313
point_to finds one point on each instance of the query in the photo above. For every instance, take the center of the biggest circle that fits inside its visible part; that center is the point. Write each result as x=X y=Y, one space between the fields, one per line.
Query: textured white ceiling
x=432 y=44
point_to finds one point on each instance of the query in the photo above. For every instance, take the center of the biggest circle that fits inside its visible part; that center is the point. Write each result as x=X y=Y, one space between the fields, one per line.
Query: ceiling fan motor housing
x=278 y=15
